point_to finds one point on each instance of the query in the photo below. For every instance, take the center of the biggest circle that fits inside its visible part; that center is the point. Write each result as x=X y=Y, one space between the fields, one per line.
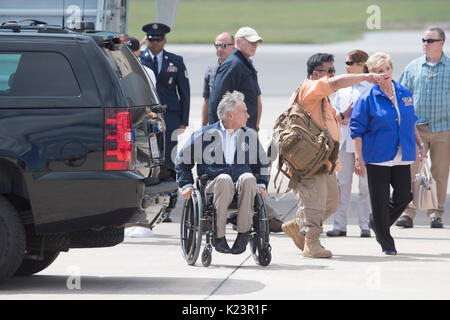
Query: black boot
x=221 y=245
x=240 y=244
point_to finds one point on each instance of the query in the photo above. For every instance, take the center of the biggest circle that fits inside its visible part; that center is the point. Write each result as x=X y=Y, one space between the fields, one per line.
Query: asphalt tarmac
x=154 y=269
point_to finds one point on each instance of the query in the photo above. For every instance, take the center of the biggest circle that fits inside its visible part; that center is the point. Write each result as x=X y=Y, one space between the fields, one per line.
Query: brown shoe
x=313 y=249
x=292 y=229
x=275 y=225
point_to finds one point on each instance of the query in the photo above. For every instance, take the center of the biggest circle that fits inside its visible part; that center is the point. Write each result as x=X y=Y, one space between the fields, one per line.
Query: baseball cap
x=248 y=33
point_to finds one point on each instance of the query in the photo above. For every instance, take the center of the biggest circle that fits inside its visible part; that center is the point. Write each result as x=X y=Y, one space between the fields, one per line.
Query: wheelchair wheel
x=190 y=228
x=207 y=255
x=259 y=238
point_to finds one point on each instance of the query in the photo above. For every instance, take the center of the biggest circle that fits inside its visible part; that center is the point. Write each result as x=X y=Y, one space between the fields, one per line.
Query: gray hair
x=439 y=31
x=230 y=102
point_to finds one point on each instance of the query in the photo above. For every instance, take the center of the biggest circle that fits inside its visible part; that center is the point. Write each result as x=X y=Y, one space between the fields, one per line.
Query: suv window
x=8 y=65
x=137 y=87
x=36 y=74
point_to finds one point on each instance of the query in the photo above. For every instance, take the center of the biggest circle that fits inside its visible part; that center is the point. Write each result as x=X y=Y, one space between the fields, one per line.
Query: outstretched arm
x=347 y=80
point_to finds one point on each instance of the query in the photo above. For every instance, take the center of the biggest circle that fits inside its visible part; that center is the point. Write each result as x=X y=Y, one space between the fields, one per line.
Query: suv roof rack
x=39 y=26
x=102 y=38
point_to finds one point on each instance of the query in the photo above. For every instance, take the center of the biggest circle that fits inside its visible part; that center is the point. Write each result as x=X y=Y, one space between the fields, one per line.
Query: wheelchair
x=200 y=208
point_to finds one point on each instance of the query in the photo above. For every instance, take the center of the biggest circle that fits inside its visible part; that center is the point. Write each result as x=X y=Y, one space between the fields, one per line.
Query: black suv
x=81 y=142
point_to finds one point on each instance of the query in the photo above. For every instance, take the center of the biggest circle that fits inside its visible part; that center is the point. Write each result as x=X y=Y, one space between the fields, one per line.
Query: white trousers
x=345 y=179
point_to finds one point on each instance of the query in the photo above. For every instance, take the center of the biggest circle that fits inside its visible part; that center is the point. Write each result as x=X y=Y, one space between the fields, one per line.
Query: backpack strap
x=333 y=165
x=277 y=196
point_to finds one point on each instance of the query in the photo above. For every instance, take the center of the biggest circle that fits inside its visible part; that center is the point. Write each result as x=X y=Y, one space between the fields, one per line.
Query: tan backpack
x=303 y=146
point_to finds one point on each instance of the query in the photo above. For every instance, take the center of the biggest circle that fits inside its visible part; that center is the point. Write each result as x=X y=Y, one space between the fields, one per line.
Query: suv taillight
x=118 y=148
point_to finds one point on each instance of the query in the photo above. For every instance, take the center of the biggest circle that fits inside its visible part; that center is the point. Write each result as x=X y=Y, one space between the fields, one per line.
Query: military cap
x=155 y=30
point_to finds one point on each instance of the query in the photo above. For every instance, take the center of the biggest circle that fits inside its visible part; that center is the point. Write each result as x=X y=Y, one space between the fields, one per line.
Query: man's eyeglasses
x=430 y=40
x=222 y=45
x=329 y=71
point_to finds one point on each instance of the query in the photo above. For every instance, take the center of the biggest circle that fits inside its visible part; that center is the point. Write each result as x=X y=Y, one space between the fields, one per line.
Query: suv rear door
x=53 y=108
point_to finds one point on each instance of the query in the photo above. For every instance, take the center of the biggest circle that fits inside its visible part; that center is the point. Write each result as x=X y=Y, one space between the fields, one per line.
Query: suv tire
x=12 y=239
x=31 y=266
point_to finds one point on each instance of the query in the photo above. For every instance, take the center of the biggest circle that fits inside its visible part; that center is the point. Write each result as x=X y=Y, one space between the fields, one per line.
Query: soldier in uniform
x=172 y=85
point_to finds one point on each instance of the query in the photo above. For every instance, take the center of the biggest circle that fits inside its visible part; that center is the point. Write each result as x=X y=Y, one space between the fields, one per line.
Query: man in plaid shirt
x=428 y=78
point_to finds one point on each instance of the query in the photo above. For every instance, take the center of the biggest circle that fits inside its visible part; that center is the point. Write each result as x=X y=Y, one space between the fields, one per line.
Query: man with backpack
x=318 y=194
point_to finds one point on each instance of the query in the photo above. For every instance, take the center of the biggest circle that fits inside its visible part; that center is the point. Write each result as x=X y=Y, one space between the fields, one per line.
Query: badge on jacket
x=408 y=101
x=172 y=68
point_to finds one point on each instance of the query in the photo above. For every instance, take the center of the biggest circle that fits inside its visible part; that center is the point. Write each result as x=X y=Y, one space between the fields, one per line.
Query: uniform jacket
x=375 y=121
x=172 y=85
x=235 y=73
x=204 y=148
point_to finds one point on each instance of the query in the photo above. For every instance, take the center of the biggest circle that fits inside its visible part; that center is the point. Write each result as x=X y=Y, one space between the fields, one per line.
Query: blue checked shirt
x=430 y=86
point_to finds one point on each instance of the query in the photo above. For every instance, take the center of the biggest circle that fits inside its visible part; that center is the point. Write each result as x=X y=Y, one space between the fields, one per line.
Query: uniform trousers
x=224 y=189
x=345 y=177
x=317 y=199
x=386 y=209
x=438 y=143
x=171 y=144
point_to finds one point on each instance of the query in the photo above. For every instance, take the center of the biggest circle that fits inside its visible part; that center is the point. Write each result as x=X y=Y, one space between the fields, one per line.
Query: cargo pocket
x=312 y=194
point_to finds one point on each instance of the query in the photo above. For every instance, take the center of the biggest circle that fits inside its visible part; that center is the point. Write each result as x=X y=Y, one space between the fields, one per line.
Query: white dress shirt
x=342 y=100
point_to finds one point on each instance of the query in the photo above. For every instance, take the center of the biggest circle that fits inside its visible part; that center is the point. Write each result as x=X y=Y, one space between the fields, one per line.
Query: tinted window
x=36 y=74
x=8 y=65
x=137 y=88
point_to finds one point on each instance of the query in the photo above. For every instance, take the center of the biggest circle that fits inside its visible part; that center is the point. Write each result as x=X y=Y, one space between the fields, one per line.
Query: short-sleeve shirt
x=208 y=80
x=310 y=96
x=430 y=86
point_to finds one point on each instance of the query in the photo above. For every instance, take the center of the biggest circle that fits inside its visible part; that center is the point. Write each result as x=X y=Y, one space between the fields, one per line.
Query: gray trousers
x=224 y=189
x=345 y=178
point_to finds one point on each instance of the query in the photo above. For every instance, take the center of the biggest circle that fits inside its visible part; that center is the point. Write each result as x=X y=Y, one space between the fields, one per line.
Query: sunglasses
x=222 y=45
x=430 y=40
x=156 y=39
x=350 y=63
x=329 y=71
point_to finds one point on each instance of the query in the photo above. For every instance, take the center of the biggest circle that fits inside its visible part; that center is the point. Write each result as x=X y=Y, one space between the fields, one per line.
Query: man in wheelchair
x=232 y=158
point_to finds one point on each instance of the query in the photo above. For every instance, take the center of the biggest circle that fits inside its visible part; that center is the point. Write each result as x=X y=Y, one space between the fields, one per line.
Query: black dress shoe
x=336 y=233
x=365 y=234
x=221 y=245
x=405 y=222
x=240 y=244
x=436 y=222
x=390 y=252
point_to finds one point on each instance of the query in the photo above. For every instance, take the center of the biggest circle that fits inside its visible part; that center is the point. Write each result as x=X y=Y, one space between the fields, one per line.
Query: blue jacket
x=375 y=120
x=204 y=148
x=172 y=85
x=235 y=73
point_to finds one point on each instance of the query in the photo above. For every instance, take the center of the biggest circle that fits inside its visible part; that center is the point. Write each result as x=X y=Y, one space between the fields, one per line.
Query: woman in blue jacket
x=385 y=137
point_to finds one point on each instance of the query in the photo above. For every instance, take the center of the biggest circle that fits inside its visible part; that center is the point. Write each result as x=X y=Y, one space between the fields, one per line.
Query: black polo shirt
x=235 y=73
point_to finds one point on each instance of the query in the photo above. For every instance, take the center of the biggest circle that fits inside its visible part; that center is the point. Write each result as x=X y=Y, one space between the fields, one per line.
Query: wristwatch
x=421 y=144
x=257 y=129
x=342 y=115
